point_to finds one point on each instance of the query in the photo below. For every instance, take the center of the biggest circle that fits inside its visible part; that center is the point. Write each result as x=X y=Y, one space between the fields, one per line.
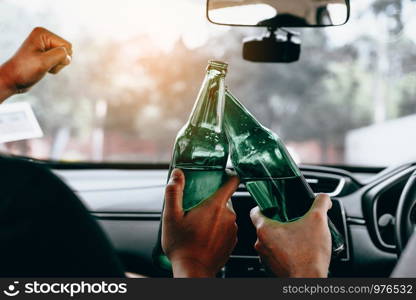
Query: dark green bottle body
x=201 y=148
x=201 y=154
x=266 y=168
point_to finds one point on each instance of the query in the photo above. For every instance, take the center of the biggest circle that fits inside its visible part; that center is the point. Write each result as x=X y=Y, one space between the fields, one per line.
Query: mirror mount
x=272 y=47
x=290 y=33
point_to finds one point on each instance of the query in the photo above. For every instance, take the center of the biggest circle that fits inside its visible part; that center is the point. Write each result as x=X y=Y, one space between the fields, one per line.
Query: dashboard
x=128 y=205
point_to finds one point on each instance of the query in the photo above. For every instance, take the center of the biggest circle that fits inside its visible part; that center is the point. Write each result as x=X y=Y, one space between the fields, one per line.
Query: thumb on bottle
x=174 y=193
x=224 y=193
x=257 y=218
x=322 y=203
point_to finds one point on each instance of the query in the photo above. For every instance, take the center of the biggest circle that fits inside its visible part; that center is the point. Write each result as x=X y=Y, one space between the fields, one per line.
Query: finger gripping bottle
x=201 y=147
x=265 y=166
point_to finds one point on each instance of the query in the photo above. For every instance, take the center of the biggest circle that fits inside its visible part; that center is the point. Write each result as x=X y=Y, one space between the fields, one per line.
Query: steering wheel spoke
x=406 y=214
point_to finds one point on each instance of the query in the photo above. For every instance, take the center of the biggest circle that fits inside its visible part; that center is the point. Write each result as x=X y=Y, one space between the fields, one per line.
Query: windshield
x=138 y=65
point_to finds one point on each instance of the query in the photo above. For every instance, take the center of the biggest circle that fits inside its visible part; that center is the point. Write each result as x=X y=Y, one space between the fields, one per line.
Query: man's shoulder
x=19 y=170
x=22 y=162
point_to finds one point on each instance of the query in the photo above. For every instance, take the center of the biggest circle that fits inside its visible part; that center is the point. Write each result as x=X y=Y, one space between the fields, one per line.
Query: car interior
x=368 y=164
x=365 y=204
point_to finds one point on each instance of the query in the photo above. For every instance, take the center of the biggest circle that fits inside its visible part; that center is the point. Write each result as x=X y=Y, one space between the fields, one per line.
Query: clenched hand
x=298 y=249
x=42 y=52
x=198 y=242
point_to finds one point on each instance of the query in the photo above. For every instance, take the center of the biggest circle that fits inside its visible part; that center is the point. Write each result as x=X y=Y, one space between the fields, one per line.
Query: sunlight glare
x=338 y=13
x=164 y=21
x=245 y=15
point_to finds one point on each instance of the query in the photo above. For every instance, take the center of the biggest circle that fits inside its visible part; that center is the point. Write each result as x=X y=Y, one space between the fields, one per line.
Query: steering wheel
x=406 y=214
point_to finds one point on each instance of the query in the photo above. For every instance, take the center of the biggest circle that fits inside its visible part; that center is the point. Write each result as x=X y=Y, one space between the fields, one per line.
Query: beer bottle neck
x=250 y=141
x=209 y=107
x=238 y=120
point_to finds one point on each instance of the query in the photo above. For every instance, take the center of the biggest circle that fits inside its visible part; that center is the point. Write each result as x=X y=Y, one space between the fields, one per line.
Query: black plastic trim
x=346 y=254
x=369 y=204
x=262 y=26
x=357 y=169
x=127 y=216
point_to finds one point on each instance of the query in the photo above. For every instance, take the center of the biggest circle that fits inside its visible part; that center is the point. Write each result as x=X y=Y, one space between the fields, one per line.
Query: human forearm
x=198 y=242
x=5 y=90
x=301 y=248
x=309 y=271
x=190 y=269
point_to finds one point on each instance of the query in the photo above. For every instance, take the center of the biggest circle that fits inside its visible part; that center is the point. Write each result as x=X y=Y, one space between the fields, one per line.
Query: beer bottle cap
x=218 y=65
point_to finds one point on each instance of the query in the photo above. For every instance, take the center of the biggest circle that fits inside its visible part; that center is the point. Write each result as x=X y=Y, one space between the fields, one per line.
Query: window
x=138 y=65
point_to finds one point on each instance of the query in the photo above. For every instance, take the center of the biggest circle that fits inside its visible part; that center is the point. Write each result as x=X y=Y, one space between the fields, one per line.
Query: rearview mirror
x=278 y=13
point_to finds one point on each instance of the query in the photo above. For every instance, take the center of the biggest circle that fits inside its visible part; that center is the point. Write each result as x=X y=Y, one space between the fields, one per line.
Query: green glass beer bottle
x=201 y=147
x=265 y=166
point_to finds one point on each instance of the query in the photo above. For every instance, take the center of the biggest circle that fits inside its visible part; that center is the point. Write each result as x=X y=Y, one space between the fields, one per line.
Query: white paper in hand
x=18 y=122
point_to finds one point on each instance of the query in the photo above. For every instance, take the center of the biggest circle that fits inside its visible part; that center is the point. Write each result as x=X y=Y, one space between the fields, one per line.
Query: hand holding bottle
x=201 y=152
x=199 y=242
x=42 y=52
x=298 y=249
x=265 y=166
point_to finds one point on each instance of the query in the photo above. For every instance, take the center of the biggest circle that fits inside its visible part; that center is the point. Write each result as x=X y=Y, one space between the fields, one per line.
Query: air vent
x=323 y=184
x=385 y=207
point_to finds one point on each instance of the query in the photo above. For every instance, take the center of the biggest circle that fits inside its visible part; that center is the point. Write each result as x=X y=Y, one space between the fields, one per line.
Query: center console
x=244 y=261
